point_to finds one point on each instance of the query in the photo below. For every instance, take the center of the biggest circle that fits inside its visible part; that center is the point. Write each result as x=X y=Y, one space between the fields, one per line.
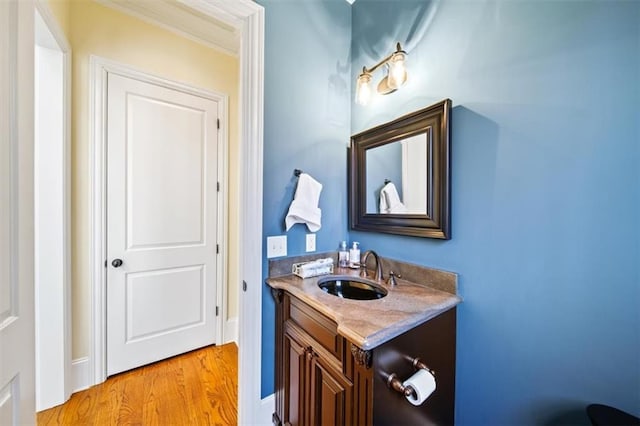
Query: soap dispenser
x=343 y=255
x=354 y=255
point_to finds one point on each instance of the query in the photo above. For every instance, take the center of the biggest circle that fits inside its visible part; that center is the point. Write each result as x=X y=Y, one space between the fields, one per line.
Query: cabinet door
x=295 y=365
x=331 y=395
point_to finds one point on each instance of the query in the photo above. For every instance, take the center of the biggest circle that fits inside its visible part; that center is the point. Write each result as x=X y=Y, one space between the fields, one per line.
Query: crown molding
x=188 y=18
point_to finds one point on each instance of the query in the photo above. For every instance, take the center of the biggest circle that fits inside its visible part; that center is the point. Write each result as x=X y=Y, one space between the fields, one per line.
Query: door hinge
x=218 y=123
x=217 y=248
x=244 y=285
x=218 y=186
x=217 y=310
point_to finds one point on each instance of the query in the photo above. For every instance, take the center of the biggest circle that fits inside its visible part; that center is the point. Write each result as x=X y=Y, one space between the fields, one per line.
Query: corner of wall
x=231 y=330
x=60 y=10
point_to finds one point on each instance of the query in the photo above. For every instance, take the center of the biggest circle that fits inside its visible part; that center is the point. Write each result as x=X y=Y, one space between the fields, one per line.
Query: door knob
x=116 y=263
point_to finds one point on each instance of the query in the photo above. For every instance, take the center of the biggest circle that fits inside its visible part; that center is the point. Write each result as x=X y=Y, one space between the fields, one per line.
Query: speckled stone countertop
x=370 y=323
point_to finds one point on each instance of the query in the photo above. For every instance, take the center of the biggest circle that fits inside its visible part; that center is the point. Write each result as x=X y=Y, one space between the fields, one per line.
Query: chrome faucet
x=363 y=273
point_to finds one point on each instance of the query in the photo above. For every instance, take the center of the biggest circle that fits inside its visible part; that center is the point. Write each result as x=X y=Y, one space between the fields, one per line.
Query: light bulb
x=397 y=72
x=363 y=89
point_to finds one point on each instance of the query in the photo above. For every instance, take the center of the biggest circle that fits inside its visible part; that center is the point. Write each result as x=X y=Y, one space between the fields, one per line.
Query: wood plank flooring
x=196 y=388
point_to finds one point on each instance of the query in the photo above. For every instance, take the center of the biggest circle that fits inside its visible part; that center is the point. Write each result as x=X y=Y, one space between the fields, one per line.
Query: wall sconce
x=395 y=78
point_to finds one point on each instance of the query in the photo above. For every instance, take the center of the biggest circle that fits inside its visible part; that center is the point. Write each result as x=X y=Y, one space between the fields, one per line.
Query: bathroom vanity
x=336 y=357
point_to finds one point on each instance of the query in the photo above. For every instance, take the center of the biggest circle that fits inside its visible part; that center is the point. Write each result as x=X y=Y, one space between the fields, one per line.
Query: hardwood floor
x=196 y=388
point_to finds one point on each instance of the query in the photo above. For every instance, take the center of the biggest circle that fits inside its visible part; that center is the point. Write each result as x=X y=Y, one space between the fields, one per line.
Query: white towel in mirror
x=390 y=201
x=304 y=207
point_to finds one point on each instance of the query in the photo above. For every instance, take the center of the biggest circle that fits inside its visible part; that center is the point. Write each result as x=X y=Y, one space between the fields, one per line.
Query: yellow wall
x=93 y=29
x=60 y=9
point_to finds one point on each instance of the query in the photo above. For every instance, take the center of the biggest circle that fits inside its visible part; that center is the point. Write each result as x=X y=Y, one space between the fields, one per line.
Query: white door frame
x=99 y=68
x=250 y=17
x=17 y=337
x=46 y=390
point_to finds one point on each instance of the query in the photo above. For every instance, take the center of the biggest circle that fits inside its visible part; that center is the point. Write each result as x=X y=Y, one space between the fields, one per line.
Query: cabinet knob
x=310 y=353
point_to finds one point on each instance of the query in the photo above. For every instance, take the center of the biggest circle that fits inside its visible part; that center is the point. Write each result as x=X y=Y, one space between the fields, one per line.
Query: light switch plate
x=276 y=246
x=311 y=242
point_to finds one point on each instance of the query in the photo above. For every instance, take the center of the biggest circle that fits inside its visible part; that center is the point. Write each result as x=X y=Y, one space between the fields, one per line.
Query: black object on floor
x=603 y=415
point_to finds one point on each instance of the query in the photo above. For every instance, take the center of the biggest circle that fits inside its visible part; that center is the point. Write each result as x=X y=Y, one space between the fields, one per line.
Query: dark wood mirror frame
x=434 y=121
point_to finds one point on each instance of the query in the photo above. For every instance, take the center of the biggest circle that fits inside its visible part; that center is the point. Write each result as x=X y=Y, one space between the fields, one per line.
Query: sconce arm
x=366 y=70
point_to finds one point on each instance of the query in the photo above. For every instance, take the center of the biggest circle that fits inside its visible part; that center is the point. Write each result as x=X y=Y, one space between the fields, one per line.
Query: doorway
x=165 y=159
x=246 y=18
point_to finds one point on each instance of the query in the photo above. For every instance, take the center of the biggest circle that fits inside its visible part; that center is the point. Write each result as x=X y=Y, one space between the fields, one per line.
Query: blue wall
x=546 y=181
x=546 y=218
x=306 y=126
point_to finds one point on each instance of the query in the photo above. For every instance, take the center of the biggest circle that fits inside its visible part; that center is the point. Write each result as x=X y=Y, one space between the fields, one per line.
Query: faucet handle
x=363 y=271
x=392 y=278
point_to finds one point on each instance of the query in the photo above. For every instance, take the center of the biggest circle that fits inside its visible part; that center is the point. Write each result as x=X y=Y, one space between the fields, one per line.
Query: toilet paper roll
x=423 y=383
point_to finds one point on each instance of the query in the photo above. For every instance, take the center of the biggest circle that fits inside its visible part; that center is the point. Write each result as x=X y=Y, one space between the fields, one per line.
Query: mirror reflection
x=399 y=174
x=396 y=177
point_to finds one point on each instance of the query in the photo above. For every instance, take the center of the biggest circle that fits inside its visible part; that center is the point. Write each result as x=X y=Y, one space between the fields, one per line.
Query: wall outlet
x=311 y=242
x=276 y=246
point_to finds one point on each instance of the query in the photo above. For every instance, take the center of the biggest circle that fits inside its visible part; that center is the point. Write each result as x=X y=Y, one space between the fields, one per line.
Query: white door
x=162 y=203
x=17 y=339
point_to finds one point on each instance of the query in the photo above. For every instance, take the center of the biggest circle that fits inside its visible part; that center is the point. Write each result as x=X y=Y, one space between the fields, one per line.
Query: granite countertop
x=370 y=323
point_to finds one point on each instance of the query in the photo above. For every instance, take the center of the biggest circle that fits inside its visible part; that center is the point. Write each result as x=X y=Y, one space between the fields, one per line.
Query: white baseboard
x=267 y=408
x=80 y=367
x=80 y=374
x=231 y=330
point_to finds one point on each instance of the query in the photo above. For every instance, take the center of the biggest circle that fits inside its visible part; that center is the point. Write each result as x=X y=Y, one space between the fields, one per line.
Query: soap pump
x=354 y=255
x=343 y=255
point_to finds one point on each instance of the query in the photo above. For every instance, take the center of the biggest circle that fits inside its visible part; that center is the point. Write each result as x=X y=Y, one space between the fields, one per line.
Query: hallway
x=196 y=388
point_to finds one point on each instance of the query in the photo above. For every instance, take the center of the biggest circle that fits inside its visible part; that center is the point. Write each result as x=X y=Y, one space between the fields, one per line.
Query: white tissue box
x=313 y=268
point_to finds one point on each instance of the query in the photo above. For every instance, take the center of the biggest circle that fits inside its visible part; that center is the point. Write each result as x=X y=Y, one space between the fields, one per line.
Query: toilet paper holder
x=393 y=382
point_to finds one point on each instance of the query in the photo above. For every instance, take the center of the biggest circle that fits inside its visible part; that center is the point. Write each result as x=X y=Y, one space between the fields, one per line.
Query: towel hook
x=297 y=172
x=386 y=181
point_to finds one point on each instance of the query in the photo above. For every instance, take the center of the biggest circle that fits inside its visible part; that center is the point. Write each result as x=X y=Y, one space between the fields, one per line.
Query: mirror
x=399 y=177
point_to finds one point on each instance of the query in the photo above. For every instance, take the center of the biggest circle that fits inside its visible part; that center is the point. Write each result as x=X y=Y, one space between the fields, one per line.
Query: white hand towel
x=304 y=207
x=390 y=200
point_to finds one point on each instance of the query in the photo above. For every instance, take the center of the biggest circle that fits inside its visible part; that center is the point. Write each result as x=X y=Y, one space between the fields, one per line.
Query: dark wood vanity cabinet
x=295 y=362
x=315 y=370
x=315 y=392
x=323 y=379
x=331 y=395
